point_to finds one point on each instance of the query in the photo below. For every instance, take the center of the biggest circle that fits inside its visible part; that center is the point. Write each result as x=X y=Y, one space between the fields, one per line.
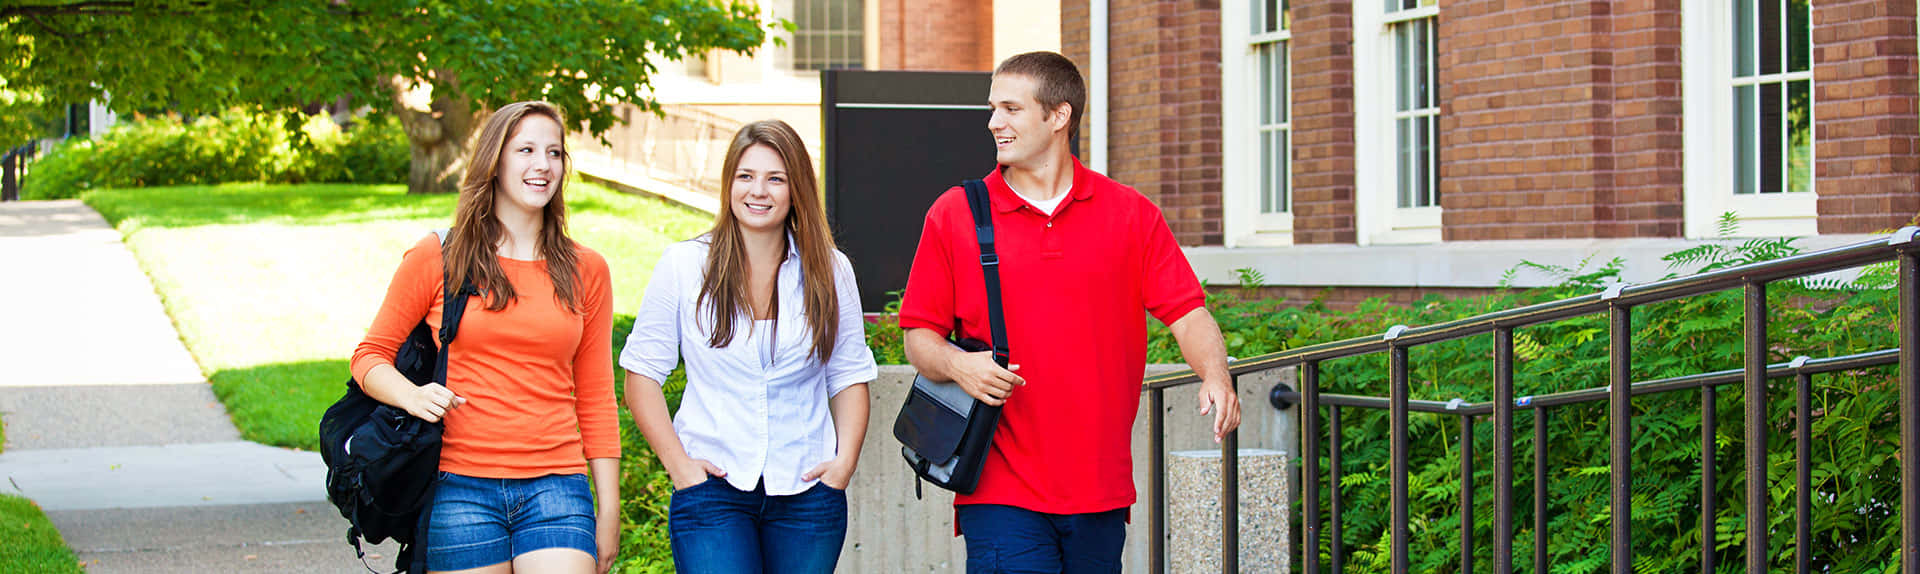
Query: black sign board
x=895 y=142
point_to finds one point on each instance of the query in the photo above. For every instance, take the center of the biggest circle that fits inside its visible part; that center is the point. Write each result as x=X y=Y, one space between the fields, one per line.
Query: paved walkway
x=114 y=432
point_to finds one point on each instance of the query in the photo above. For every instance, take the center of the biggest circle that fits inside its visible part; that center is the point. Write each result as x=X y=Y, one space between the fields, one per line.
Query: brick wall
x=936 y=35
x=1560 y=119
x=1164 y=104
x=1866 y=117
x=1323 y=149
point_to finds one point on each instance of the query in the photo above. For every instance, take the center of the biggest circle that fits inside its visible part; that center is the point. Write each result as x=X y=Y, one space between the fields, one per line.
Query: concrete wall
x=889 y=531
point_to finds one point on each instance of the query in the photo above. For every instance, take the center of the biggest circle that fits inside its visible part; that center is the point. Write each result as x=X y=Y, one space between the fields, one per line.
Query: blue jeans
x=717 y=529
x=485 y=521
x=1006 y=539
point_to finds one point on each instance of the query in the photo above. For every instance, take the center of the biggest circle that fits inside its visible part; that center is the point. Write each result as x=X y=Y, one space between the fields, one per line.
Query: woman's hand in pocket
x=836 y=473
x=692 y=472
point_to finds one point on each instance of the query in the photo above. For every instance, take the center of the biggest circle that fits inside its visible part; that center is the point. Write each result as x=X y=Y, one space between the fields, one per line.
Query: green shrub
x=162 y=151
x=1855 y=477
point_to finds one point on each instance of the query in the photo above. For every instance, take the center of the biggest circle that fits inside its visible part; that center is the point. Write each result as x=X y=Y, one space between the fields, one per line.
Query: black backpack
x=382 y=462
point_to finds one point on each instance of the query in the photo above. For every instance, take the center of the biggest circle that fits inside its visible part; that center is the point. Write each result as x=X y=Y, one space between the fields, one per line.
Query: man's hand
x=982 y=378
x=1217 y=397
x=431 y=401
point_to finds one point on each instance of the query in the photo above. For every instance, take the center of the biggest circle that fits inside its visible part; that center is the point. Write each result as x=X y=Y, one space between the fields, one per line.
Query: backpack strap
x=453 y=306
x=982 y=207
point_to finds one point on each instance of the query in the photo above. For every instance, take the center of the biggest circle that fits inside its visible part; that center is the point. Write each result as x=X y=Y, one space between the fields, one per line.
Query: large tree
x=440 y=65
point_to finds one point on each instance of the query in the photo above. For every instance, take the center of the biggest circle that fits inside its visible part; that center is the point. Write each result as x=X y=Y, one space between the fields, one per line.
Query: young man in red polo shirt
x=1082 y=261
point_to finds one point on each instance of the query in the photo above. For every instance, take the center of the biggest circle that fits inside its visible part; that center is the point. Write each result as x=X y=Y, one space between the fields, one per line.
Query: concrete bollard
x=1193 y=511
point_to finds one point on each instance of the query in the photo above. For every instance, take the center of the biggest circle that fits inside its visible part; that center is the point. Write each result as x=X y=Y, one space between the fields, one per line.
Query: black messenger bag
x=944 y=432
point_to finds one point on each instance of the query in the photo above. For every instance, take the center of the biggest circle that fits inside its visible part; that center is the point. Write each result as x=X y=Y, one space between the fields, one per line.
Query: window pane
x=1423 y=183
x=1743 y=38
x=1284 y=77
x=1423 y=66
x=1744 y=145
x=1283 y=153
x=1266 y=172
x=1266 y=85
x=1270 y=16
x=1771 y=145
x=1770 y=36
x=1286 y=14
x=1400 y=42
x=1799 y=39
x=1406 y=161
x=1800 y=136
x=1393 y=6
x=1433 y=160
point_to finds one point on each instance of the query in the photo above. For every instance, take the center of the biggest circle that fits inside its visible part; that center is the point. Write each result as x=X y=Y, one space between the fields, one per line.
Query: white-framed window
x=1753 y=155
x=1397 y=121
x=1258 y=108
x=1416 y=110
x=828 y=34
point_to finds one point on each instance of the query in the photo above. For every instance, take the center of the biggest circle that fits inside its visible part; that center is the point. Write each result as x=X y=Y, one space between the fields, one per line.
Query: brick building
x=1406 y=146
x=706 y=99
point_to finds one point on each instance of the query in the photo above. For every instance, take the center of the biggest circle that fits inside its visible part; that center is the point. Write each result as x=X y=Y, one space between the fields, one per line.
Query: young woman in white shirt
x=765 y=312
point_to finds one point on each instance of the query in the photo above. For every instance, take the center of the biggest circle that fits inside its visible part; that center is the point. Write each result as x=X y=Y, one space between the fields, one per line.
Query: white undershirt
x=1044 y=205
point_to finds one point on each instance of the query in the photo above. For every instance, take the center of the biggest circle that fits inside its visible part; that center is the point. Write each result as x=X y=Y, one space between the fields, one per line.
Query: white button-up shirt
x=756 y=408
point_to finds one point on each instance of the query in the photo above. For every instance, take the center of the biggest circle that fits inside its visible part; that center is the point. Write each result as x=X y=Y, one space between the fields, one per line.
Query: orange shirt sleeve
x=412 y=293
x=593 y=361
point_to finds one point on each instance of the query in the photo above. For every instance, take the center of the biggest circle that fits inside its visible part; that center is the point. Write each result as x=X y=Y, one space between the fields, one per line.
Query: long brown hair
x=472 y=251
x=726 y=274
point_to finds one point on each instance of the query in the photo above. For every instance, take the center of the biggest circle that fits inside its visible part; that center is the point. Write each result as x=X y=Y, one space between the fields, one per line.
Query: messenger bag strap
x=982 y=208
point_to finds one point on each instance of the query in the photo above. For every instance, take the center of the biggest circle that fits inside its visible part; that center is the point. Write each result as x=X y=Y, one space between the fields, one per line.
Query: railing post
x=1803 y=471
x=1157 y=482
x=1466 y=494
x=1335 y=560
x=1502 y=450
x=1310 y=467
x=1397 y=398
x=1620 y=417
x=1540 y=506
x=1709 y=473
x=1909 y=409
x=1755 y=338
x=1230 y=495
x=9 y=175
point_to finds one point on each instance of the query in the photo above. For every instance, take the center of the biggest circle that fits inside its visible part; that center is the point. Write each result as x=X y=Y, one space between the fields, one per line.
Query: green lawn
x=33 y=545
x=271 y=286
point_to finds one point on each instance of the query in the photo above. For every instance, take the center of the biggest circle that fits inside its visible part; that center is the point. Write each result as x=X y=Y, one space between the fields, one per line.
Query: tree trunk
x=440 y=136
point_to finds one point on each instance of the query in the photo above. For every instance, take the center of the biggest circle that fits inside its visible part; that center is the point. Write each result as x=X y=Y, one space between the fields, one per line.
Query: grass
x=33 y=545
x=271 y=286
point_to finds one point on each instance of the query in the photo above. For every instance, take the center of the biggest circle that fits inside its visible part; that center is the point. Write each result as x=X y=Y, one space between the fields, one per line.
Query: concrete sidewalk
x=113 y=431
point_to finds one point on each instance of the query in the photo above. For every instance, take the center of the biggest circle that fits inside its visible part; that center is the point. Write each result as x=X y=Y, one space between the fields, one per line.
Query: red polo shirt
x=1076 y=288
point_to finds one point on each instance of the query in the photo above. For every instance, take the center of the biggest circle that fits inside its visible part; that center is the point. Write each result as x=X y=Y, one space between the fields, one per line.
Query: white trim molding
x=1474 y=264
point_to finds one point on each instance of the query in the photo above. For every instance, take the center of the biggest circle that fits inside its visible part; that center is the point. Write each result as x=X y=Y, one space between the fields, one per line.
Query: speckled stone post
x=1193 y=510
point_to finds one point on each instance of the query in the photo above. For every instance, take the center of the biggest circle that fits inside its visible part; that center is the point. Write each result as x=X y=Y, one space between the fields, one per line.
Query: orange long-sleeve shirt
x=538 y=378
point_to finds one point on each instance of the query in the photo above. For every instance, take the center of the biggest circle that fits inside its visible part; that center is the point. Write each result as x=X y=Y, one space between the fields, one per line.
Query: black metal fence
x=13 y=170
x=1617 y=303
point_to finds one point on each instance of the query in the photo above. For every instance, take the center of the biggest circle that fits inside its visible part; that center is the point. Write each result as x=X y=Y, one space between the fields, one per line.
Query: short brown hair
x=1060 y=82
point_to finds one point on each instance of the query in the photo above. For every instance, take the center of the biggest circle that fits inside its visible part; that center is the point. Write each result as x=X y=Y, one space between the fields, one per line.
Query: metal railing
x=13 y=168
x=1617 y=302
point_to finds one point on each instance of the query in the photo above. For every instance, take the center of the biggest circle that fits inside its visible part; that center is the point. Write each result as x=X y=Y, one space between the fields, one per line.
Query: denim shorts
x=485 y=521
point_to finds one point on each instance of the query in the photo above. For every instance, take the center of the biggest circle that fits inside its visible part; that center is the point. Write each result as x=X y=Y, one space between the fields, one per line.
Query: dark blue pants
x=1009 y=540
x=717 y=529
